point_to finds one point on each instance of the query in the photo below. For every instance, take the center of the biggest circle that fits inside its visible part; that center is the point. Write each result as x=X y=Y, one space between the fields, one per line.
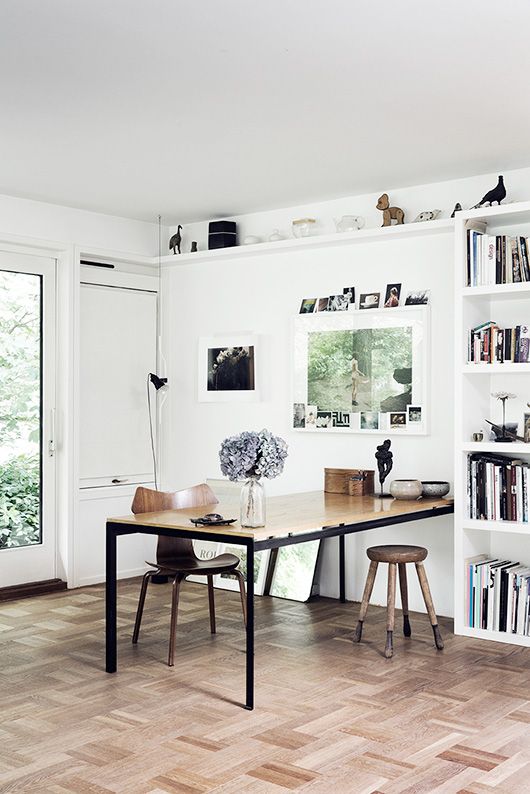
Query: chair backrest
x=146 y=500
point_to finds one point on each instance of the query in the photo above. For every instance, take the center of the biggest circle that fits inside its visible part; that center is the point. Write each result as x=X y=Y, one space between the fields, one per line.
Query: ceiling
x=199 y=109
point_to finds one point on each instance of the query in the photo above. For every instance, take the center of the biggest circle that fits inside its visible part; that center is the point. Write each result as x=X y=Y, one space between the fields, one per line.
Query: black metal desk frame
x=115 y=529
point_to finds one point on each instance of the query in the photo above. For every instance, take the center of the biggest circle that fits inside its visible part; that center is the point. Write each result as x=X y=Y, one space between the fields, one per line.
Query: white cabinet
x=95 y=506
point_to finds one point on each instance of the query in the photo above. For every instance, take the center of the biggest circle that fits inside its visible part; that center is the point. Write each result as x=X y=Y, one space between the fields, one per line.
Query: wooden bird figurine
x=497 y=194
x=176 y=241
x=389 y=213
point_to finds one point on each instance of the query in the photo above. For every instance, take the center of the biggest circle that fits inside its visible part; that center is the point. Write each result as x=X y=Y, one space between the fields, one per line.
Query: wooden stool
x=399 y=555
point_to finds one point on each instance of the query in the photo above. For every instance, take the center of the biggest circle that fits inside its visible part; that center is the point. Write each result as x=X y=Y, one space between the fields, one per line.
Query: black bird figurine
x=497 y=194
x=176 y=241
x=458 y=208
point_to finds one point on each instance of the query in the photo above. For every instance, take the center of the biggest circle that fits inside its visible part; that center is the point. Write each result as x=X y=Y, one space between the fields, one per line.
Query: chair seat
x=395 y=553
x=189 y=565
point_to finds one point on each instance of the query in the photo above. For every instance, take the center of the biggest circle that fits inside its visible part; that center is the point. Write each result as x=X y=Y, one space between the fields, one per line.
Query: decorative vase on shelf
x=252 y=512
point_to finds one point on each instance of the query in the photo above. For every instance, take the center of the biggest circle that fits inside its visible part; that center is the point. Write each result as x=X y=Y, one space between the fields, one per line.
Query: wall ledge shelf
x=401 y=232
x=496 y=369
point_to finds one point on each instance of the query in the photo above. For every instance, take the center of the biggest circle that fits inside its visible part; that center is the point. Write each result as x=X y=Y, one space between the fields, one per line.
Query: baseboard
x=30 y=589
x=131 y=573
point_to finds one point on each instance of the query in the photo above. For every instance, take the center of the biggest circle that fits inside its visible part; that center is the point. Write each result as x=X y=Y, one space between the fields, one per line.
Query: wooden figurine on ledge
x=389 y=213
x=176 y=240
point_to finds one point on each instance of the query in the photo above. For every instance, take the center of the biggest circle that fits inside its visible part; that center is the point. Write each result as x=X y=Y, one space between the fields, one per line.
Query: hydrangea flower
x=252 y=454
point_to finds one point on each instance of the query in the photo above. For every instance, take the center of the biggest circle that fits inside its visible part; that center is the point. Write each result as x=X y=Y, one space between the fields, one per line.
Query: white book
x=491 y=253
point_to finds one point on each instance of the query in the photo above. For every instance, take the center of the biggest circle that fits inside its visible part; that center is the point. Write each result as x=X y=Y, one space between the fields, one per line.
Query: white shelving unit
x=507 y=305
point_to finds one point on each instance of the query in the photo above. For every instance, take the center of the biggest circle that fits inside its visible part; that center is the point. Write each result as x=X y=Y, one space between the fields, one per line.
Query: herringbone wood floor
x=331 y=717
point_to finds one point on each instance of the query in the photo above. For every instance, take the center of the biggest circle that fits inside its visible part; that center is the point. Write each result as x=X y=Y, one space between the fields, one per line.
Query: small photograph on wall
x=338 y=303
x=311 y=416
x=369 y=300
x=227 y=369
x=420 y=297
x=414 y=414
x=322 y=304
x=299 y=415
x=349 y=292
x=324 y=419
x=398 y=420
x=340 y=419
x=308 y=305
x=393 y=291
x=527 y=428
x=369 y=420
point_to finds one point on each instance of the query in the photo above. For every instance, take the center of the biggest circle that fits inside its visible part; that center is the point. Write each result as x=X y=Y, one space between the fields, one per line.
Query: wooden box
x=354 y=482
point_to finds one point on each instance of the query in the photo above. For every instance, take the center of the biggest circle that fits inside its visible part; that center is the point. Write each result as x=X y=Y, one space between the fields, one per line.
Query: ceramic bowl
x=435 y=489
x=406 y=489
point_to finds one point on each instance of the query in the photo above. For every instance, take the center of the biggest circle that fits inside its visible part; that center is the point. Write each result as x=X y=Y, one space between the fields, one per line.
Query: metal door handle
x=116 y=481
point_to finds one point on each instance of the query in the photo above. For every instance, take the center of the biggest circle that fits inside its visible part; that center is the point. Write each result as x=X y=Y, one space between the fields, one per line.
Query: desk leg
x=110 y=602
x=249 y=703
x=342 y=568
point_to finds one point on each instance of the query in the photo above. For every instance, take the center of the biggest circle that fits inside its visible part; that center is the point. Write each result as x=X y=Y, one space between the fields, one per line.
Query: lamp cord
x=151 y=433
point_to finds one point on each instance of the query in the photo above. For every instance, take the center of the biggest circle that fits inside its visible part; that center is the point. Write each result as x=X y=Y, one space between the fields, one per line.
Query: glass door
x=27 y=418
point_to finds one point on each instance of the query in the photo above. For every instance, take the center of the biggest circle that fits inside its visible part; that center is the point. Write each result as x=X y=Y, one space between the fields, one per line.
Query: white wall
x=263 y=294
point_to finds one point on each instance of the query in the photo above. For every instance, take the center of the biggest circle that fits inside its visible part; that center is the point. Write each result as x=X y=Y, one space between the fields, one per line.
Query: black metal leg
x=111 y=663
x=342 y=568
x=249 y=703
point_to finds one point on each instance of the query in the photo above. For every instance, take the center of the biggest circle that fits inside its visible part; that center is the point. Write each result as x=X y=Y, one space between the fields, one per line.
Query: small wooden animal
x=193 y=249
x=389 y=213
x=428 y=215
x=458 y=208
x=497 y=194
x=175 y=241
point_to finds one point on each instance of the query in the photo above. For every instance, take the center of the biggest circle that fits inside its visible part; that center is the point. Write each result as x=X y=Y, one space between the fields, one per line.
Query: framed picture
x=308 y=305
x=392 y=294
x=369 y=300
x=299 y=415
x=367 y=365
x=338 y=303
x=350 y=294
x=228 y=368
x=227 y=581
x=322 y=304
x=527 y=428
x=294 y=571
x=420 y=297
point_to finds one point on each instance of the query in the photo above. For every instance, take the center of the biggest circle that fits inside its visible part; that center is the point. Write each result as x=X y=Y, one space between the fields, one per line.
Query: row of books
x=487 y=343
x=497 y=595
x=496 y=259
x=497 y=487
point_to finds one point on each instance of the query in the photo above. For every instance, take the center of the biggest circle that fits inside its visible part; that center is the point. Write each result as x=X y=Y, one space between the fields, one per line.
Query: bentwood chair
x=176 y=558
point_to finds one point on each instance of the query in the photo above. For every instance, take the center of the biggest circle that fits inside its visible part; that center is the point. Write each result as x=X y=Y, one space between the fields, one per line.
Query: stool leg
x=368 y=587
x=424 y=584
x=402 y=568
x=390 y=601
x=211 y=602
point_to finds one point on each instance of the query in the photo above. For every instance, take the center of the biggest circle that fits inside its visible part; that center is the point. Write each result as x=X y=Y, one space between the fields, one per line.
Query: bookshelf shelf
x=513 y=527
x=507 y=305
x=496 y=636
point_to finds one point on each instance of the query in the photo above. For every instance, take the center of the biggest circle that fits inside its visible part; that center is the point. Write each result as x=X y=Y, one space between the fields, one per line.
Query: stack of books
x=496 y=259
x=488 y=344
x=497 y=487
x=497 y=595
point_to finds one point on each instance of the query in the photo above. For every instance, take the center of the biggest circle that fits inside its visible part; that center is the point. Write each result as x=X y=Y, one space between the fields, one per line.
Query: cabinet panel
x=118 y=350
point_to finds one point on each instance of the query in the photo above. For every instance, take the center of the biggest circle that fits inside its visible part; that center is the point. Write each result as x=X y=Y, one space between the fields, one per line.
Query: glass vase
x=252 y=503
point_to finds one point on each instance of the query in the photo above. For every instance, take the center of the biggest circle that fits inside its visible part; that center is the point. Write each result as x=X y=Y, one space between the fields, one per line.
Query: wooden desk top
x=291 y=514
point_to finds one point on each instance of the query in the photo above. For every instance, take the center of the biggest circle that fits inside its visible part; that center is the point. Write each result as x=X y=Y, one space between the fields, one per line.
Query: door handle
x=51 y=442
x=116 y=481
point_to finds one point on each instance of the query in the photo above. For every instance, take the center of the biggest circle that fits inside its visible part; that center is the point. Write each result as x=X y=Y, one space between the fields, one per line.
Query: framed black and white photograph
x=414 y=414
x=369 y=420
x=397 y=420
x=338 y=303
x=419 y=297
x=322 y=304
x=369 y=300
x=311 y=416
x=299 y=415
x=371 y=362
x=392 y=294
x=308 y=305
x=227 y=369
x=350 y=294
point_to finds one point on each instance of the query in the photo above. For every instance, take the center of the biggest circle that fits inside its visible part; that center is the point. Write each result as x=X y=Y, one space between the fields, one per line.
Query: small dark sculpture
x=458 y=208
x=497 y=194
x=384 y=463
x=193 y=249
x=176 y=241
x=389 y=213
